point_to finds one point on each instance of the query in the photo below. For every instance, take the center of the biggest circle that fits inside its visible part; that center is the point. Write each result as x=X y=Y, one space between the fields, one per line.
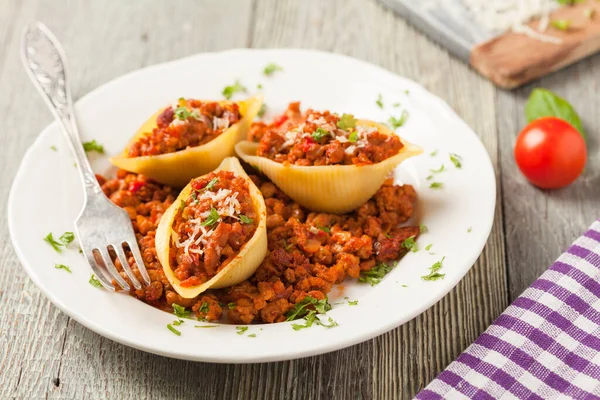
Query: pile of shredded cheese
x=501 y=15
x=227 y=205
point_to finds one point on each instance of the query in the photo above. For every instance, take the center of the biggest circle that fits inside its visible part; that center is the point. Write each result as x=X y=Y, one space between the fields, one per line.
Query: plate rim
x=282 y=356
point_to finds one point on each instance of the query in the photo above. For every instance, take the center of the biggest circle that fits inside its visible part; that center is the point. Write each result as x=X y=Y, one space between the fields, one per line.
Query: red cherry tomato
x=550 y=153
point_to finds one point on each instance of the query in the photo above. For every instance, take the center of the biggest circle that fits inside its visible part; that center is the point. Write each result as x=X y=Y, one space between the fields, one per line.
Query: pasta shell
x=245 y=262
x=331 y=188
x=178 y=168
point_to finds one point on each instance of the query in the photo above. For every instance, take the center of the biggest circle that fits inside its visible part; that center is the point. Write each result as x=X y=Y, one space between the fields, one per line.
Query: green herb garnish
x=231 y=305
x=175 y=331
x=436 y=185
x=324 y=229
x=262 y=110
x=470 y=229
x=182 y=113
x=62 y=266
x=204 y=308
x=245 y=220
x=319 y=134
x=396 y=123
x=67 y=238
x=440 y=169
x=93 y=146
x=303 y=307
x=178 y=322
x=430 y=177
x=434 y=275
x=271 y=68
x=94 y=281
x=410 y=244
x=230 y=90
x=353 y=303
x=346 y=122
x=423 y=228
x=311 y=318
x=252 y=335
x=456 y=160
x=241 y=329
x=433 y=153
x=212 y=218
x=428 y=247
x=211 y=184
x=375 y=274
x=55 y=245
x=53 y=148
x=561 y=24
x=353 y=137
x=180 y=311
x=379 y=101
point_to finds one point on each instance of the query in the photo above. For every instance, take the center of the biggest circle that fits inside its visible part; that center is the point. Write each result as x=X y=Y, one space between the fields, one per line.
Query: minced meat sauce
x=308 y=253
x=322 y=138
x=187 y=123
x=211 y=226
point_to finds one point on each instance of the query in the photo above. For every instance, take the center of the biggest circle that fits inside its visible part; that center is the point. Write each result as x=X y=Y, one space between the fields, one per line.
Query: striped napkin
x=546 y=345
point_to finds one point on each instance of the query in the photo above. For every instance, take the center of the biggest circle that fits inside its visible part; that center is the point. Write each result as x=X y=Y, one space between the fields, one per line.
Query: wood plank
x=541 y=224
x=46 y=346
x=513 y=59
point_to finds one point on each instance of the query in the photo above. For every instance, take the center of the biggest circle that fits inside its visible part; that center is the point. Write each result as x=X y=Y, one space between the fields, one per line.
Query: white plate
x=46 y=197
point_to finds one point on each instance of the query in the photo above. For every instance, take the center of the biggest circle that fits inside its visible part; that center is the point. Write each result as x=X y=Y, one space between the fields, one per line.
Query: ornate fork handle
x=45 y=63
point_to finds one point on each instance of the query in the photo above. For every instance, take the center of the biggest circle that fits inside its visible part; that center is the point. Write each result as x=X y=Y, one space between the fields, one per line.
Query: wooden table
x=45 y=354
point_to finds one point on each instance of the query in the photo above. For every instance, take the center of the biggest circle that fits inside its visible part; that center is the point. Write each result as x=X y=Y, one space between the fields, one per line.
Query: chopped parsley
x=252 y=335
x=180 y=311
x=241 y=329
x=430 y=177
x=375 y=274
x=204 y=308
x=406 y=91
x=423 y=228
x=53 y=148
x=175 y=331
x=410 y=244
x=230 y=90
x=259 y=86
x=437 y=171
x=205 y=326
x=436 y=185
x=428 y=247
x=311 y=318
x=433 y=153
x=353 y=303
x=178 y=322
x=93 y=146
x=353 y=137
x=324 y=229
x=55 y=245
x=319 y=134
x=434 y=275
x=396 y=105
x=67 y=238
x=245 y=220
x=62 y=266
x=379 y=101
x=404 y=285
x=211 y=184
x=396 y=123
x=346 y=122
x=94 y=281
x=561 y=24
x=231 y=305
x=262 y=111
x=308 y=304
x=182 y=113
x=470 y=229
x=456 y=160
x=271 y=68
x=212 y=218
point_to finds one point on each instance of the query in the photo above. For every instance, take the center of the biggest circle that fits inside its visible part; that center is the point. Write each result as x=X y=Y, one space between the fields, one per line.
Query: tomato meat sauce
x=187 y=123
x=322 y=138
x=308 y=252
x=211 y=226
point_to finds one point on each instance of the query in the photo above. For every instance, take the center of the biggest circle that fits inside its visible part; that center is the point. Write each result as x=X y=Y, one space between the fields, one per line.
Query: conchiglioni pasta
x=214 y=234
x=325 y=162
x=187 y=139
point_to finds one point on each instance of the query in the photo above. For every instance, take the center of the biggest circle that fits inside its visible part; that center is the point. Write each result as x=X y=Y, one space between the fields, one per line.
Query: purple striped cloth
x=545 y=345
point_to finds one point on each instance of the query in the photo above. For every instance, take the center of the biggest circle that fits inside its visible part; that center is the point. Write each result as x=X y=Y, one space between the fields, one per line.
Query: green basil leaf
x=544 y=103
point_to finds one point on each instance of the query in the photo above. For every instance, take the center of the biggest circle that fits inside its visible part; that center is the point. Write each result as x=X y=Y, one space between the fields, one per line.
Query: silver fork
x=101 y=226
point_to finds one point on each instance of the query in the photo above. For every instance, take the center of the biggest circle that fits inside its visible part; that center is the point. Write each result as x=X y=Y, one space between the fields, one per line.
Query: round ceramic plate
x=46 y=196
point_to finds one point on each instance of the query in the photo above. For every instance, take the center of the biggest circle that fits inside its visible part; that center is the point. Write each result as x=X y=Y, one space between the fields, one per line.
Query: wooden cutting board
x=509 y=59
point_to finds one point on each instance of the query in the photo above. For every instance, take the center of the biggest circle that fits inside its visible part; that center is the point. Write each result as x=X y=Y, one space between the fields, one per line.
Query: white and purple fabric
x=546 y=345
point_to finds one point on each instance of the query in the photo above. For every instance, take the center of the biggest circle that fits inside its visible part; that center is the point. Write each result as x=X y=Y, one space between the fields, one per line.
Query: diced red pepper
x=136 y=185
x=280 y=120
x=308 y=144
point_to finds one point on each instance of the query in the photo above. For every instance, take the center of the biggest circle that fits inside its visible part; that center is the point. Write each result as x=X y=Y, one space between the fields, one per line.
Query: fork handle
x=45 y=62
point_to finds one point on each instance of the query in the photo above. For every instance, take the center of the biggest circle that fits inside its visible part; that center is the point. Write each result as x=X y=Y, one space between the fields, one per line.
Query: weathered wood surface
x=44 y=354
